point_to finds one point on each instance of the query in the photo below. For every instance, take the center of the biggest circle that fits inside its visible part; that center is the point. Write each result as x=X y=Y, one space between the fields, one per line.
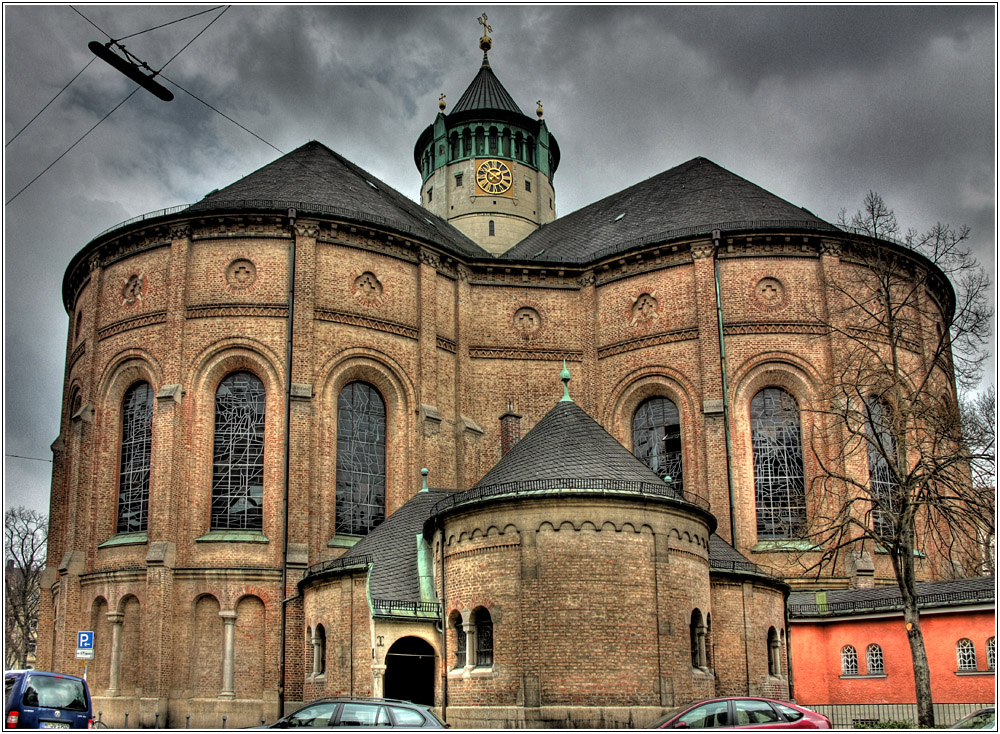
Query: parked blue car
x=39 y=700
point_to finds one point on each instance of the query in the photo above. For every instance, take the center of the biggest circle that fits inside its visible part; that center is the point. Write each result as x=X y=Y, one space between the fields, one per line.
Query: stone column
x=700 y=637
x=116 y=619
x=378 y=681
x=317 y=655
x=228 y=640
x=470 y=645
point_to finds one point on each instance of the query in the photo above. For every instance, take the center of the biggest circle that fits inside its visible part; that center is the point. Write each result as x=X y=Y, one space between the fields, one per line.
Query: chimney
x=861 y=570
x=510 y=429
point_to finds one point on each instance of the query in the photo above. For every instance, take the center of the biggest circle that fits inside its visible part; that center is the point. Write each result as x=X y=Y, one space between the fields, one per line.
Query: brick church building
x=319 y=439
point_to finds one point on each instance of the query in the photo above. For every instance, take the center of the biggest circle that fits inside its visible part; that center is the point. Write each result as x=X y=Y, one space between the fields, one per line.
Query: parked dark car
x=40 y=700
x=365 y=713
x=743 y=713
x=981 y=719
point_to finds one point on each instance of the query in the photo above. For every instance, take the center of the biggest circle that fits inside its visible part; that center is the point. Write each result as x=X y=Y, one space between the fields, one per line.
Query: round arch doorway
x=409 y=671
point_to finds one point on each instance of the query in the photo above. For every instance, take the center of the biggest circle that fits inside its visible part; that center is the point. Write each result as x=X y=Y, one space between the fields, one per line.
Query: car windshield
x=985 y=719
x=47 y=691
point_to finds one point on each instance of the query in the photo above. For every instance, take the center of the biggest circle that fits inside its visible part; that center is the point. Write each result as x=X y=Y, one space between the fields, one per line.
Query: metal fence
x=849 y=716
x=340 y=564
x=402 y=608
x=890 y=602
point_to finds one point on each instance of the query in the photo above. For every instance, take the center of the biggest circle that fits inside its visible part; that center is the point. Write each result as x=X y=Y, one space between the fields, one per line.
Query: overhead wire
x=48 y=103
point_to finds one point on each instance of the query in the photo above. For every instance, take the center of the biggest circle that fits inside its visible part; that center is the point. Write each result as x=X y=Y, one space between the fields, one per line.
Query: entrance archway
x=409 y=671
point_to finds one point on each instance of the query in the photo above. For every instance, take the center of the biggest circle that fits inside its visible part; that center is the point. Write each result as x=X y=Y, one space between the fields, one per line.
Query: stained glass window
x=966 y=652
x=848 y=661
x=883 y=485
x=238 y=454
x=360 y=459
x=484 y=638
x=656 y=438
x=133 y=469
x=779 y=477
x=875 y=660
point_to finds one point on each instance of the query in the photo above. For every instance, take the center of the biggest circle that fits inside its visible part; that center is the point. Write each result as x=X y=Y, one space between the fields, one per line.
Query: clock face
x=494 y=177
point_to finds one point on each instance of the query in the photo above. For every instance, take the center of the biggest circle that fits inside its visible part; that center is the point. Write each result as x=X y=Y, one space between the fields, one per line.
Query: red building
x=851 y=658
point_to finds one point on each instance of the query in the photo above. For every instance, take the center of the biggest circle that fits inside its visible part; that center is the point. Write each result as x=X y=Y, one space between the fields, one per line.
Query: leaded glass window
x=460 y=643
x=133 y=467
x=883 y=485
x=848 y=661
x=875 y=660
x=779 y=477
x=484 y=639
x=238 y=454
x=360 y=459
x=656 y=438
x=966 y=652
x=991 y=653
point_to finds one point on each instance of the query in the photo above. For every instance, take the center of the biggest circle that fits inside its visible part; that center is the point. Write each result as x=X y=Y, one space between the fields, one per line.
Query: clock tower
x=487 y=167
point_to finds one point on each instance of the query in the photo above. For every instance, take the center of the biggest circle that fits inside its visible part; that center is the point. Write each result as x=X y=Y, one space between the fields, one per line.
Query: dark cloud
x=818 y=104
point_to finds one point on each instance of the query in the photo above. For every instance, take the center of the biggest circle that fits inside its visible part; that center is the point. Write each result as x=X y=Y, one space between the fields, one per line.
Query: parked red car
x=743 y=713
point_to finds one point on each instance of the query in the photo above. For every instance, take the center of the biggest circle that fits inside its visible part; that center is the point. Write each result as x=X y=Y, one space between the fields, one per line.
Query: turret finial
x=485 y=43
x=424 y=472
x=564 y=376
x=441 y=102
x=539 y=111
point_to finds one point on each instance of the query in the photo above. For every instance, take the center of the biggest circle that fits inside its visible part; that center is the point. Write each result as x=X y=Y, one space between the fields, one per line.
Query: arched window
x=493 y=138
x=360 y=459
x=773 y=653
x=881 y=447
x=480 y=141
x=518 y=146
x=991 y=653
x=461 y=641
x=699 y=658
x=529 y=151
x=238 y=454
x=453 y=146
x=133 y=467
x=848 y=660
x=79 y=325
x=466 y=142
x=493 y=230
x=484 y=639
x=874 y=660
x=319 y=650
x=505 y=143
x=779 y=477
x=966 y=652
x=656 y=438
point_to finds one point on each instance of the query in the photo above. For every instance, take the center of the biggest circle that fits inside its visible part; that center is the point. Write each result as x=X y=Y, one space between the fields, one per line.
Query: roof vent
x=619 y=217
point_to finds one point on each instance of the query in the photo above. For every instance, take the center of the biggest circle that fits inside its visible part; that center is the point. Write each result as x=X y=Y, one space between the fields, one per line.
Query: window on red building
x=848 y=661
x=991 y=653
x=966 y=652
x=875 y=660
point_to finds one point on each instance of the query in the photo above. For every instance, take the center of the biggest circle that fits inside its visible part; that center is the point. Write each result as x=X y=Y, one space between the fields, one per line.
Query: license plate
x=54 y=725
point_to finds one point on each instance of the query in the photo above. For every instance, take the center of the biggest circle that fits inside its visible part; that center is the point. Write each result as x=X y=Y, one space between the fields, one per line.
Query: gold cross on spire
x=485 y=43
x=482 y=22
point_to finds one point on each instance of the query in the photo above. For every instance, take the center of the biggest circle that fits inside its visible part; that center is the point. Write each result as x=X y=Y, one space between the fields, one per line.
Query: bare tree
x=25 y=535
x=909 y=320
x=979 y=428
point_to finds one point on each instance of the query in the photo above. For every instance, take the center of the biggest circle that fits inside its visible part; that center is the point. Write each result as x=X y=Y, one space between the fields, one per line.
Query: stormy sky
x=817 y=104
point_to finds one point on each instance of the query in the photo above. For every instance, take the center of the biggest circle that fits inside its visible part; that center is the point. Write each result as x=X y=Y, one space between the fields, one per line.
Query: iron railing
x=891 y=602
x=745 y=566
x=399 y=607
x=341 y=564
x=568 y=487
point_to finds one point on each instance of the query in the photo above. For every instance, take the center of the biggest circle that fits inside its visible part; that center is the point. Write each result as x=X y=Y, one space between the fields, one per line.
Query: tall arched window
x=883 y=485
x=699 y=657
x=133 y=467
x=319 y=650
x=991 y=653
x=966 y=653
x=779 y=477
x=360 y=459
x=848 y=660
x=656 y=438
x=875 y=660
x=461 y=641
x=493 y=138
x=484 y=638
x=773 y=652
x=238 y=454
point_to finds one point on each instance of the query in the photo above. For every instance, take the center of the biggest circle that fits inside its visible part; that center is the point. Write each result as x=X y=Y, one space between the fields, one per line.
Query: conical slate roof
x=690 y=199
x=568 y=445
x=486 y=93
x=315 y=178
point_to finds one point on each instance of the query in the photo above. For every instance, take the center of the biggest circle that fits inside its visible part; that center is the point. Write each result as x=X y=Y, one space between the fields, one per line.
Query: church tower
x=486 y=167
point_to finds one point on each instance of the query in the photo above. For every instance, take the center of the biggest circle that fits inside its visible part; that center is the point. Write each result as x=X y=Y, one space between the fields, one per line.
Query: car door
x=755 y=714
x=706 y=716
x=363 y=715
x=316 y=716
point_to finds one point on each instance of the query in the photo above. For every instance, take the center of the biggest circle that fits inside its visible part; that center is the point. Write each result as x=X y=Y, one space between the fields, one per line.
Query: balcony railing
x=341 y=564
x=890 y=602
x=402 y=608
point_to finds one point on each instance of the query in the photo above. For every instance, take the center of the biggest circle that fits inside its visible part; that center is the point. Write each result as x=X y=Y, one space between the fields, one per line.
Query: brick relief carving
x=644 y=309
x=132 y=290
x=241 y=275
x=210 y=310
x=389 y=327
x=770 y=294
x=628 y=345
x=133 y=323
x=527 y=322
x=367 y=288
x=556 y=355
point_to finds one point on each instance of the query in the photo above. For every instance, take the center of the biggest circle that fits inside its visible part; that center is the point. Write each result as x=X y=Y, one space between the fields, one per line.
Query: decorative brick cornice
x=210 y=310
x=367 y=322
x=135 y=322
x=774 y=327
x=447 y=345
x=525 y=353
x=80 y=350
x=307 y=229
x=668 y=337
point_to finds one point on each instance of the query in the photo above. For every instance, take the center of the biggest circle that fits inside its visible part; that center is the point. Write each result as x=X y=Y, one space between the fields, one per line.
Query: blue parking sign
x=85 y=640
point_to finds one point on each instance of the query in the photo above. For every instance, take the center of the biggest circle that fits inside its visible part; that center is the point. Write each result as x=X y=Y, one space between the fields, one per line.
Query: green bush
x=883 y=725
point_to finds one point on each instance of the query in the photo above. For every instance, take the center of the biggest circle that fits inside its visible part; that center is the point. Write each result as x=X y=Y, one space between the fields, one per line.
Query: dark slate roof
x=568 y=444
x=315 y=178
x=720 y=550
x=691 y=199
x=486 y=93
x=981 y=589
x=393 y=547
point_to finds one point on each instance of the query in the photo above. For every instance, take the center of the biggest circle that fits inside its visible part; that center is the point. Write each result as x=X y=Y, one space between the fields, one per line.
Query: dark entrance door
x=409 y=671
